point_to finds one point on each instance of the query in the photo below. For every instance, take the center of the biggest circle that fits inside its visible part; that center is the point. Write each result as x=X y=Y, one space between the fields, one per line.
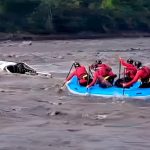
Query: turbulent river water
x=34 y=115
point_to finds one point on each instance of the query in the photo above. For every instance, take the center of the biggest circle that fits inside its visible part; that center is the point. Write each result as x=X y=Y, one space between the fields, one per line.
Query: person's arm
x=70 y=76
x=124 y=63
x=131 y=67
x=135 y=79
x=93 y=81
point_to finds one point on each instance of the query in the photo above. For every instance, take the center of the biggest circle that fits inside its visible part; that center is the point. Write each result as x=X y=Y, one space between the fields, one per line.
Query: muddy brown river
x=34 y=115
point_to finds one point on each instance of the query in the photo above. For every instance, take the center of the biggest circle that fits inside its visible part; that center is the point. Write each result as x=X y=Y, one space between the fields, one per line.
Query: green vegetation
x=74 y=16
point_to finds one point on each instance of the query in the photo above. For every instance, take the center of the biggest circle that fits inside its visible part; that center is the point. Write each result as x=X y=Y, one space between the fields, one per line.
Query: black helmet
x=76 y=64
x=138 y=64
x=130 y=61
x=98 y=61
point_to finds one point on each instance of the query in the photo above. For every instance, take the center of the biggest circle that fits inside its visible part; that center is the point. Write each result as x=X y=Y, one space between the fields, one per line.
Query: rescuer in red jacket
x=130 y=68
x=103 y=74
x=143 y=73
x=129 y=72
x=98 y=63
x=81 y=73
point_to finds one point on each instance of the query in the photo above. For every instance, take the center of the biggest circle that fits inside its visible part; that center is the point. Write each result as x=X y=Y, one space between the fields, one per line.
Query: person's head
x=130 y=61
x=138 y=64
x=76 y=64
x=98 y=61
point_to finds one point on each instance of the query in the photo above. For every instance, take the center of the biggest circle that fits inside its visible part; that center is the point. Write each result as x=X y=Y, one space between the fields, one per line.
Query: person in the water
x=21 y=68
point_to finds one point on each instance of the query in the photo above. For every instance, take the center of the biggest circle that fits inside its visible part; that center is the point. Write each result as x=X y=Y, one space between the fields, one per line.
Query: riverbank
x=35 y=37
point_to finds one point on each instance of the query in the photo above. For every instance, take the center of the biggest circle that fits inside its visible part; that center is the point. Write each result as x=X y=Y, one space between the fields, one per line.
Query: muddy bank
x=27 y=36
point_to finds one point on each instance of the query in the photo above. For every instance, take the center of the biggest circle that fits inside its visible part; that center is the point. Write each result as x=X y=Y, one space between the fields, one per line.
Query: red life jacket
x=130 y=70
x=142 y=73
x=98 y=66
x=105 y=70
x=81 y=74
x=101 y=73
x=145 y=72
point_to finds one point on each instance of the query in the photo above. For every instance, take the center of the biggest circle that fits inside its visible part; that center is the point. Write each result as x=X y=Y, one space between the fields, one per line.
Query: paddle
x=90 y=72
x=61 y=88
x=123 y=76
x=123 y=81
x=88 y=79
x=119 y=69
